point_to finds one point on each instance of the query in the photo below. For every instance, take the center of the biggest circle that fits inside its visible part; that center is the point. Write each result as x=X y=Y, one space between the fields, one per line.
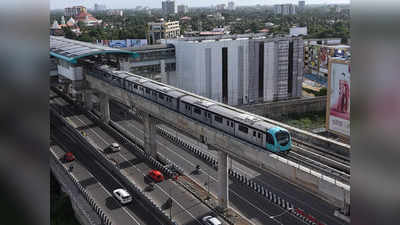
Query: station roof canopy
x=72 y=50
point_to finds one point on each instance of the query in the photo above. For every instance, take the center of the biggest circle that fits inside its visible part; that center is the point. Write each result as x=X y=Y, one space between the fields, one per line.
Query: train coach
x=234 y=122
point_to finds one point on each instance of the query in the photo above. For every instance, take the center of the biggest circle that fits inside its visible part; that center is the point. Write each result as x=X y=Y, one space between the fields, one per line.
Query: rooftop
x=72 y=50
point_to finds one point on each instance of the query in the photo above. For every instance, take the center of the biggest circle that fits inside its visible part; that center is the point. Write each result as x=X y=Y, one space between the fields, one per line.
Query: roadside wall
x=274 y=110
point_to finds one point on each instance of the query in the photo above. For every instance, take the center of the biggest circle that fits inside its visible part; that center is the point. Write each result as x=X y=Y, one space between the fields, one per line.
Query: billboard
x=338 y=105
x=128 y=43
x=317 y=57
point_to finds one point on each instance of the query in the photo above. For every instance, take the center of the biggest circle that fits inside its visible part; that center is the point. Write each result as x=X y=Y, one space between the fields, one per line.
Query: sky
x=116 y=4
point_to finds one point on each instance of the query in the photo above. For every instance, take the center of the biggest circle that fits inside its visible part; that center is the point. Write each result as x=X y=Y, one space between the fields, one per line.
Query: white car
x=210 y=220
x=115 y=147
x=122 y=195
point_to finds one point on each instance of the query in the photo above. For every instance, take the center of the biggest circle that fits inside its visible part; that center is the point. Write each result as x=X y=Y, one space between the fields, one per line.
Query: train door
x=270 y=143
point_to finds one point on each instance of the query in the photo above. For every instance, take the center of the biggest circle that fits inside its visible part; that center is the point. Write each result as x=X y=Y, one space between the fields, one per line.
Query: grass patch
x=306 y=121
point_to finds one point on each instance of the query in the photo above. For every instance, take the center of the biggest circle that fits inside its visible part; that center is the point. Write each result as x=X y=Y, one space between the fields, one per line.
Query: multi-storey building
x=302 y=5
x=285 y=9
x=99 y=7
x=220 y=6
x=231 y=5
x=162 y=30
x=183 y=9
x=239 y=70
x=74 y=11
x=115 y=12
x=168 y=7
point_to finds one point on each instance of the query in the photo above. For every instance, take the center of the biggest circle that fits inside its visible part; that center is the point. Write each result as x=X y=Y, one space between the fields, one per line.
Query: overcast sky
x=60 y=4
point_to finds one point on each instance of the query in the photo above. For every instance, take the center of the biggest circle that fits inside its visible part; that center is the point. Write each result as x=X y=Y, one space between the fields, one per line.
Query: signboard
x=338 y=107
x=123 y=43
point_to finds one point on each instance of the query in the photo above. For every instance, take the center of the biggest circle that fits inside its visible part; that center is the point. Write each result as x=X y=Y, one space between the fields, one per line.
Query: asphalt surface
x=247 y=202
x=100 y=184
x=186 y=208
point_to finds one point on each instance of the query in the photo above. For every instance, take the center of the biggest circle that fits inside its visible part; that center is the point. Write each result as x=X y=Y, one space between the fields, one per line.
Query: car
x=122 y=195
x=211 y=220
x=156 y=175
x=115 y=147
x=69 y=157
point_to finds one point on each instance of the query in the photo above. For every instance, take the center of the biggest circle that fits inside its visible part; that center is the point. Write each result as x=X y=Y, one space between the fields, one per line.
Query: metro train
x=217 y=115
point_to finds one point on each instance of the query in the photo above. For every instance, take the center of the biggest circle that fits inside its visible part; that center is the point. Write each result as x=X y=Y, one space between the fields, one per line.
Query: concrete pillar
x=66 y=88
x=223 y=197
x=150 y=134
x=124 y=64
x=87 y=98
x=163 y=74
x=105 y=107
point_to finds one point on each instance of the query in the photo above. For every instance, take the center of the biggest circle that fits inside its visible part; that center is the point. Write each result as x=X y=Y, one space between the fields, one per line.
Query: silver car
x=115 y=147
x=211 y=220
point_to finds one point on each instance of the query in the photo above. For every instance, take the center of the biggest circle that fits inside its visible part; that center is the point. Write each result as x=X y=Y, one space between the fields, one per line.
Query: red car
x=69 y=157
x=156 y=175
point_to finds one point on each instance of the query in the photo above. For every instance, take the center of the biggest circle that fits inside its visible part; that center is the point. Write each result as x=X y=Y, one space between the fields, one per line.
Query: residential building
x=99 y=7
x=162 y=30
x=302 y=5
x=168 y=7
x=241 y=70
x=296 y=31
x=285 y=9
x=74 y=11
x=231 y=5
x=115 y=12
x=183 y=9
x=220 y=7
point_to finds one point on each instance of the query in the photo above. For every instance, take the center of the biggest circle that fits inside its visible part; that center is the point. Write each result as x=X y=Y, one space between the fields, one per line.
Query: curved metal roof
x=72 y=50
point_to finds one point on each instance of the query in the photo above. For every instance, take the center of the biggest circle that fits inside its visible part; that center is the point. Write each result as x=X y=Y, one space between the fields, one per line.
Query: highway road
x=247 y=202
x=100 y=184
x=186 y=208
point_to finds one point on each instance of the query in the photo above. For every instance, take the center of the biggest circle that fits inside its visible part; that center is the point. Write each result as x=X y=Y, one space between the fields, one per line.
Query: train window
x=209 y=115
x=227 y=122
x=254 y=133
x=231 y=124
x=135 y=86
x=269 y=139
x=259 y=135
x=218 y=119
x=197 y=110
x=147 y=91
x=243 y=129
x=161 y=96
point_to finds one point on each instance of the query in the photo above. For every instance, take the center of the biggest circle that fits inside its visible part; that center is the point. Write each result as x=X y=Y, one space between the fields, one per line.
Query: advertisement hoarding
x=338 y=105
x=128 y=43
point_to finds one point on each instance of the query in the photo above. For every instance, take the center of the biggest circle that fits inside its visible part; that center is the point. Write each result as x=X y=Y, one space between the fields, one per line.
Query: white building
x=231 y=5
x=162 y=30
x=239 y=70
x=296 y=31
x=115 y=12
x=220 y=7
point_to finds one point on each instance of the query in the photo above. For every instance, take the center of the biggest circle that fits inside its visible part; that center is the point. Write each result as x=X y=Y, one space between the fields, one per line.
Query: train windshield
x=282 y=137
